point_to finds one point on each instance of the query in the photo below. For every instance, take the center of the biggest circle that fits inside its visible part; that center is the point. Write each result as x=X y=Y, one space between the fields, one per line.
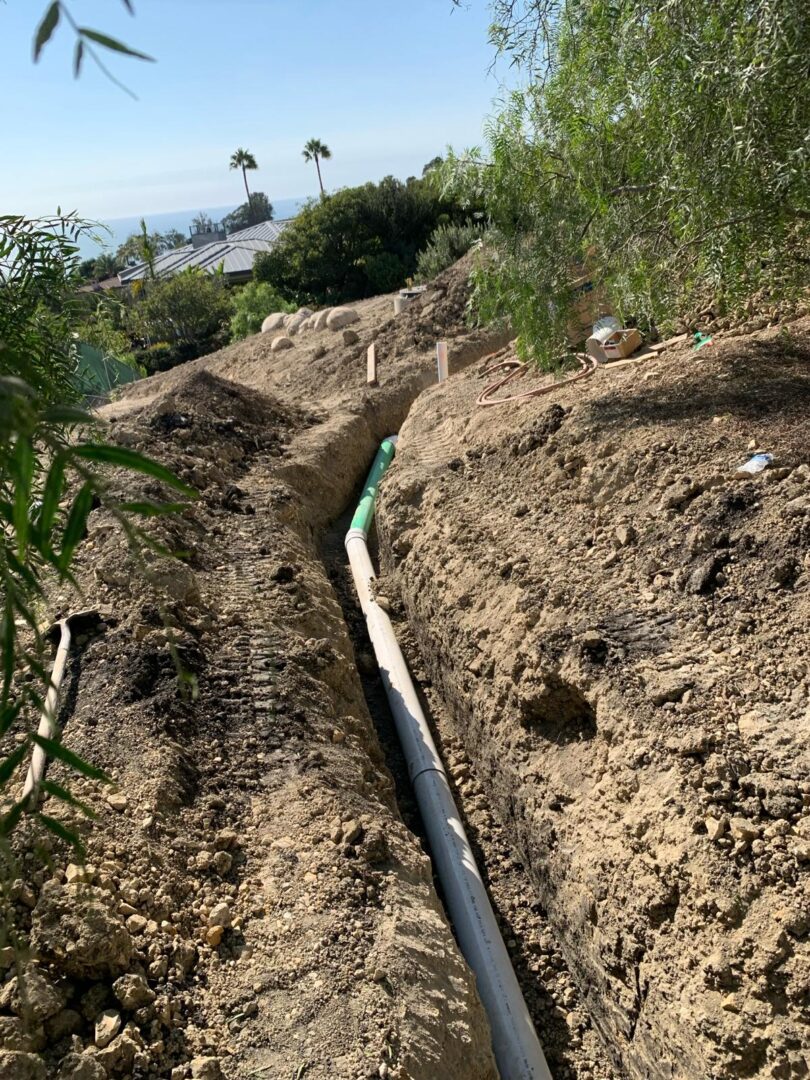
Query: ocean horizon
x=121 y=228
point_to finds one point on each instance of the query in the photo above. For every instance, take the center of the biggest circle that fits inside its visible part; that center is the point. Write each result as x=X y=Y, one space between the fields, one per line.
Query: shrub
x=188 y=311
x=252 y=304
x=446 y=246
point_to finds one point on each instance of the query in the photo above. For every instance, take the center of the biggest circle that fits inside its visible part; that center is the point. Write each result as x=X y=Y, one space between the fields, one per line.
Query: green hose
x=364 y=514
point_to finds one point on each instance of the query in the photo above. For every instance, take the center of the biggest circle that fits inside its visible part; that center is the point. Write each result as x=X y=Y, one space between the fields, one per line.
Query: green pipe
x=364 y=514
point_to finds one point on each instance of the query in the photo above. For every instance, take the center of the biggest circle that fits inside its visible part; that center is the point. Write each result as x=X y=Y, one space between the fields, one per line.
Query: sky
x=386 y=84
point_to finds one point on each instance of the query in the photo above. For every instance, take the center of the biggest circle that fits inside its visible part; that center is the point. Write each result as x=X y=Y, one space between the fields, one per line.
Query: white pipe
x=47 y=722
x=514 y=1040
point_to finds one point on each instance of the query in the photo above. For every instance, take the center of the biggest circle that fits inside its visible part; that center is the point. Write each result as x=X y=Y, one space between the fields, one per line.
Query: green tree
x=172 y=239
x=259 y=209
x=252 y=304
x=446 y=245
x=186 y=310
x=315 y=150
x=355 y=243
x=244 y=160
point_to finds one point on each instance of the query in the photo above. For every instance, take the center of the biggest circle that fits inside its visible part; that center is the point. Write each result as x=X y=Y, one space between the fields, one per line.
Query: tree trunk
x=318 y=167
x=247 y=190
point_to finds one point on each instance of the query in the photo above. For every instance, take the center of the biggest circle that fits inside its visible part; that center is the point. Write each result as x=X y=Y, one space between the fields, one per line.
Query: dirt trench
x=616 y=623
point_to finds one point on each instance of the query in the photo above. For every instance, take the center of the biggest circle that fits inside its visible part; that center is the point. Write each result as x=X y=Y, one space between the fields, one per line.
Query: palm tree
x=317 y=151
x=244 y=160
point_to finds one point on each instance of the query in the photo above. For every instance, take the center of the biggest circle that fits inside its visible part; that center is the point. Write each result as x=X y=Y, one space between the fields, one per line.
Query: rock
x=340 y=317
x=107 y=1027
x=73 y=927
x=294 y=324
x=273 y=322
x=118 y=801
x=214 y=935
x=226 y=839
x=716 y=827
x=14 y=1035
x=136 y=924
x=350 y=337
x=120 y=1055
x=67 y=1022
x=34 y=997
x=220 y=915
x=305 y=312
x=81 y=1067
x=664 y=687
x=19 y=1065
x=281 y=343
x=133 y=991
x=743 y=829
x=206 y=1068
x=352 y=831
x=75 y=872
x=624 y=535
x=321 y=319
x=223 y=863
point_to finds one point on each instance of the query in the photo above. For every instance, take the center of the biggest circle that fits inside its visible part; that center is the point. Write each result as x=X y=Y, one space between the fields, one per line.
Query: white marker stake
x=441 y=359
x=371 y=365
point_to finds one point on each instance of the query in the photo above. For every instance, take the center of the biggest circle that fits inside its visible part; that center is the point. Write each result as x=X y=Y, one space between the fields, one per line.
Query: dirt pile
x=252 y=903
x=617 y=623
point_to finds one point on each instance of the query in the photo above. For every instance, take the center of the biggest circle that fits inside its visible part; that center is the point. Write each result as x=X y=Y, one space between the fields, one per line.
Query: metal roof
x=235 y=255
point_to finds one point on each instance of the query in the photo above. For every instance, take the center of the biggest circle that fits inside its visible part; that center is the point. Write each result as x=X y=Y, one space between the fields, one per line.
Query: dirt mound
x=626 y=666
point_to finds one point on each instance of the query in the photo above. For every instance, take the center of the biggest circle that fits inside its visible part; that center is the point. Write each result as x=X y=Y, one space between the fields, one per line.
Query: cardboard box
x=621 y=344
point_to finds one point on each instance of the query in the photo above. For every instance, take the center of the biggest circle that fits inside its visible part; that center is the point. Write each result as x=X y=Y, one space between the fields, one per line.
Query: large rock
x=73 y=927
x=17 y=1065
x=340 y=317
x=321 y=318
x=304 y=312
x=281 y=343
x=295 y=324
x=273 y=322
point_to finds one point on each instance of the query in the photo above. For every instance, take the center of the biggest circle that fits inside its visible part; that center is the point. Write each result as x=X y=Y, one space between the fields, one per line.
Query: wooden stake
x=441 y=359
x=371 y=365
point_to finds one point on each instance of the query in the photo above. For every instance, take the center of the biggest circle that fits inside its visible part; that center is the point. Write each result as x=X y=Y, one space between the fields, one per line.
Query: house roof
x=235 y=254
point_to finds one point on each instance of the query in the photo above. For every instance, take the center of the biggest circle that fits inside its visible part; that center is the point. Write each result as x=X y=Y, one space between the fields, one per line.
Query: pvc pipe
x=514 y=1040
x=47 y=722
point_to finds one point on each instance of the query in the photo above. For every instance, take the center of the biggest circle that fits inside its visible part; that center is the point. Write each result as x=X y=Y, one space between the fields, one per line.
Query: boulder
x=281 y=343
x=273 y=322
x=73 y=927
x=304 y=312
x=350 y=337
x=18 y=1065
x=295 y=324
x=321 y=319
x=340 y=317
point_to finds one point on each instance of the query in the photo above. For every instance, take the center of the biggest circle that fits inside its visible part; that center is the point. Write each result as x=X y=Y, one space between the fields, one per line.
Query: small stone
x=350 y=337
x=384 y=603
x=338 y=736
x=206 y=1068
x=281 y=343
x=136 y=924
x=226 y=840
x=716 y=827
x=107 y=1027
x=75 y=872
x=729 y=1003
x=743 y=829
x=378 y=975
x=118 y=802
x=213 y=935
x=625 y=535
x=133 y=991
x=222 y=863
x=220 y=915
x=352 y=831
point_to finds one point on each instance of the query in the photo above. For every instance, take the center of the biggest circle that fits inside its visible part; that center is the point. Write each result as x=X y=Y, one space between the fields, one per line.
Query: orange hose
x=587 y=363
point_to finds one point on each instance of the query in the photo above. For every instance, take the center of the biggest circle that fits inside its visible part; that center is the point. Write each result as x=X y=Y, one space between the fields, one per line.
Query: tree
x=252 y=304
x=316 y=151
x=172 y=239
x=259 y=209
x=244 y=160
x=358 y=242
x=185 y=310
x=675 y=174
x=202 y=222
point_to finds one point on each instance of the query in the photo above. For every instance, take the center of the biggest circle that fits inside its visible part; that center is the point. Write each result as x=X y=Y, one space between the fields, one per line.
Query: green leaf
x=58 y=829
x=9 y=764
x=78 y=56
x=54 y=486
x=66 y=414
x=113 y=44
x=76 y=525
x=61 y=753
x=46 y=28
x=131 y=459
x=24 y=467
x=59 y=792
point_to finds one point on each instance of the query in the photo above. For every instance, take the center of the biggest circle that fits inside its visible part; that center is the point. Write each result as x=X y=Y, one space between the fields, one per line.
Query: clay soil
x=616 y=622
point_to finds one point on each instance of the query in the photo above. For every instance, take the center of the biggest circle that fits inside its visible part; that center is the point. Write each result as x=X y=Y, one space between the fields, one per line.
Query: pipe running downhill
x=517 y=1049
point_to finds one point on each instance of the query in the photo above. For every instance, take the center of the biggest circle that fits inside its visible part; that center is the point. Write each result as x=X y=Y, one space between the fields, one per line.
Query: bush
x=252 y=304
x=665 y=149
x=102 y=328
x=355 y=243
x=189 y=311
x=446 y=246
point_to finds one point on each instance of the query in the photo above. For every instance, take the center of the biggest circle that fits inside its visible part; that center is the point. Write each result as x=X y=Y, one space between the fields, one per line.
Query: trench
x=570 y=1041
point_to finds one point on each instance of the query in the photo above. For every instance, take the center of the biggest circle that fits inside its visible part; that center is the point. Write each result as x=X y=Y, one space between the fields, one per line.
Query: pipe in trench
x=514 y=1041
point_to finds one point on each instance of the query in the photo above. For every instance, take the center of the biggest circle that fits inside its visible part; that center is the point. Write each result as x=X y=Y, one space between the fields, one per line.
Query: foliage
x=317 y=151
x=51 y=478
x=662 y=148
x=187 y=310
x=354 y=243
x=244 y=160
x=132 y=250
x=252 y=304
x=202 y=222
x=446 y=246
x=103 y=328
x=254 y=212
x=87 y=40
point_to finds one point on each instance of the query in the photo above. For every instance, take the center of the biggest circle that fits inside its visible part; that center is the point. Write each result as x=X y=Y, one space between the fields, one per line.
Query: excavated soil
x=252 y=904
x=616 y=623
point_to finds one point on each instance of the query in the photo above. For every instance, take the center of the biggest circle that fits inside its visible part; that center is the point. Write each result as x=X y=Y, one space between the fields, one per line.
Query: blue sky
x=386 y=84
